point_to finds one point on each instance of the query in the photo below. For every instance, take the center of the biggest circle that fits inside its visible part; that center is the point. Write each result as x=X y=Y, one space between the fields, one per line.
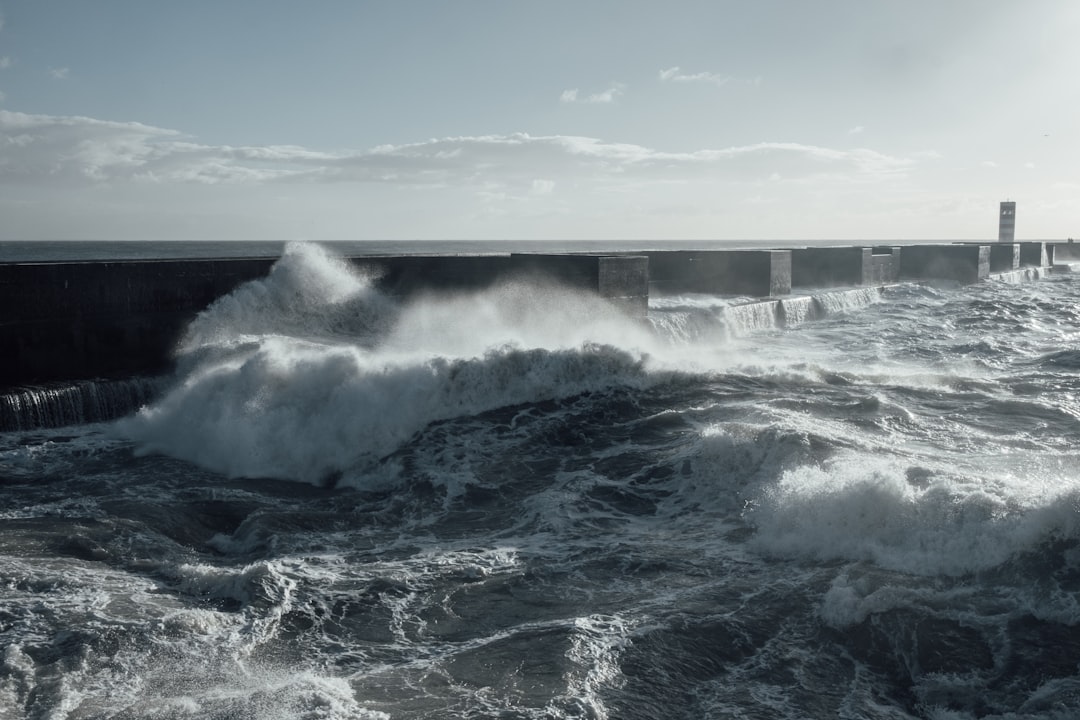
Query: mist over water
x=519 y=503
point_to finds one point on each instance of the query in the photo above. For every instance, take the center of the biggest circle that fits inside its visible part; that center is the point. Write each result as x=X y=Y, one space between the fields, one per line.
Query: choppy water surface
x=519 y=505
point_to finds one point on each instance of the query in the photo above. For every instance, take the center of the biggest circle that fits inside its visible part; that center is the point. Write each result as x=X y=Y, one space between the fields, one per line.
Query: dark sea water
x=518 y=504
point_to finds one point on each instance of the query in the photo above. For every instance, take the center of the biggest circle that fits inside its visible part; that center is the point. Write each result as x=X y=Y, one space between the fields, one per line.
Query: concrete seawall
x=75 y=321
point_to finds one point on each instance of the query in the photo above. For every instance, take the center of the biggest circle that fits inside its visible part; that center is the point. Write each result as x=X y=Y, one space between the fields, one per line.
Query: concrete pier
x=73 y=321
x=844 y=266
x=963 y=264
x=757 y=273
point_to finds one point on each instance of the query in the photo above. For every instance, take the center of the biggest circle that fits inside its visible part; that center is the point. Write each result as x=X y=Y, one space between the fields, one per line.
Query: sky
x=498 y=119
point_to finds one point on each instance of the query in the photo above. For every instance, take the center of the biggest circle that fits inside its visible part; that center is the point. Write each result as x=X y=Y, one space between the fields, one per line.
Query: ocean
x=521 y=504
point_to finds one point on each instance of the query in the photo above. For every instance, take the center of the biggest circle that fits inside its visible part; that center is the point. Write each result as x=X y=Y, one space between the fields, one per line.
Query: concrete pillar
x=885 y=265
x=964 y=264
x=757 y=273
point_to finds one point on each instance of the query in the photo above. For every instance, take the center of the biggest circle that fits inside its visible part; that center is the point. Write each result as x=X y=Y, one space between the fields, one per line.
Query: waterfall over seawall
x=62 y=404
x=689 y=318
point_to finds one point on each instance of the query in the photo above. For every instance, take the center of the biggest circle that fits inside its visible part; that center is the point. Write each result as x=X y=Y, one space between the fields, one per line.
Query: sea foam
x=312 y=372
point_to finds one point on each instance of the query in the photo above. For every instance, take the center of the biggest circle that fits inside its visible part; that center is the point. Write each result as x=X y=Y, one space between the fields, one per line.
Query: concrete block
x=1064 y=252
x=1004 y=257
x=831 y=267
x=757 y=273
x=1035 y=254
x=885 y=265
x=964 y=264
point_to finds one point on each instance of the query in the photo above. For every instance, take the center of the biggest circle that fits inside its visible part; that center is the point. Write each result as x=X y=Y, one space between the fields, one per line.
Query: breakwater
x=67 y=322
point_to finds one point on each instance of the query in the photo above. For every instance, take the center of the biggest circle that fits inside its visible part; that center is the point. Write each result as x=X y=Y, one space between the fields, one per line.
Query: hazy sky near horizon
x=787 y=120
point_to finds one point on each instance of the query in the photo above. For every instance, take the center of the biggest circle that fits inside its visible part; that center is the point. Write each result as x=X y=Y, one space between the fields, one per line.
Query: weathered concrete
x=964 y=264
x=757 y=273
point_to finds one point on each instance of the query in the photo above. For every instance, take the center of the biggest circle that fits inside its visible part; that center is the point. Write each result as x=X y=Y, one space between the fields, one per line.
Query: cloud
x=607 y=96
x=60 y=73
x=857 y=130
x=542 y=187
x=52 y=150
x=2 y=96
x=5 y=62
x=674 y=74
x=988 y=164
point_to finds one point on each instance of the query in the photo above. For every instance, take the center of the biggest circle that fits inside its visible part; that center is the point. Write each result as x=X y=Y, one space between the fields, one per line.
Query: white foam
x=862 y=509
x=310 y=372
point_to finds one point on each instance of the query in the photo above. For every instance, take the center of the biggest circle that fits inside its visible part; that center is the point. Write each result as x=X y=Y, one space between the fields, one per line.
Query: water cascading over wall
x=61 y=404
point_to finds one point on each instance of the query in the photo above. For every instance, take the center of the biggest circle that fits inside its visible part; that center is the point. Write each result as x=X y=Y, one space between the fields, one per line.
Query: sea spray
x=311 y=372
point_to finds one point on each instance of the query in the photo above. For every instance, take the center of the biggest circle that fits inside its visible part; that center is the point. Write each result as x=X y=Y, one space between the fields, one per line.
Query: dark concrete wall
x=831 y=266
x=1004 y=257
x=964 y=264
x=1035 y=255
x=73 y=321
x=405 y=275
x=1064 y=252
x=844 y=266
x=68 y=321
x=758 y=273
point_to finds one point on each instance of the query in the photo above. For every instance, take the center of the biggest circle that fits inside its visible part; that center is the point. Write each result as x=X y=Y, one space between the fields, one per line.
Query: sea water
x=520 y=504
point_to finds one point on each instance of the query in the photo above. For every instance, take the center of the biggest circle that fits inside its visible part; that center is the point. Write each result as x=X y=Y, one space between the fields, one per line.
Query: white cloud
x=60 y=73
x=2 y=96
x=54 y=150
x=1029 y=165
x=5 y=62
x=857 y=130
x=989 y=164
x=674 y=74
x=607 y=96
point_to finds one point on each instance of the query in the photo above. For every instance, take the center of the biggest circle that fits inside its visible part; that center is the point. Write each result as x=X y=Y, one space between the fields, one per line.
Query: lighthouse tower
x=1007 y=222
